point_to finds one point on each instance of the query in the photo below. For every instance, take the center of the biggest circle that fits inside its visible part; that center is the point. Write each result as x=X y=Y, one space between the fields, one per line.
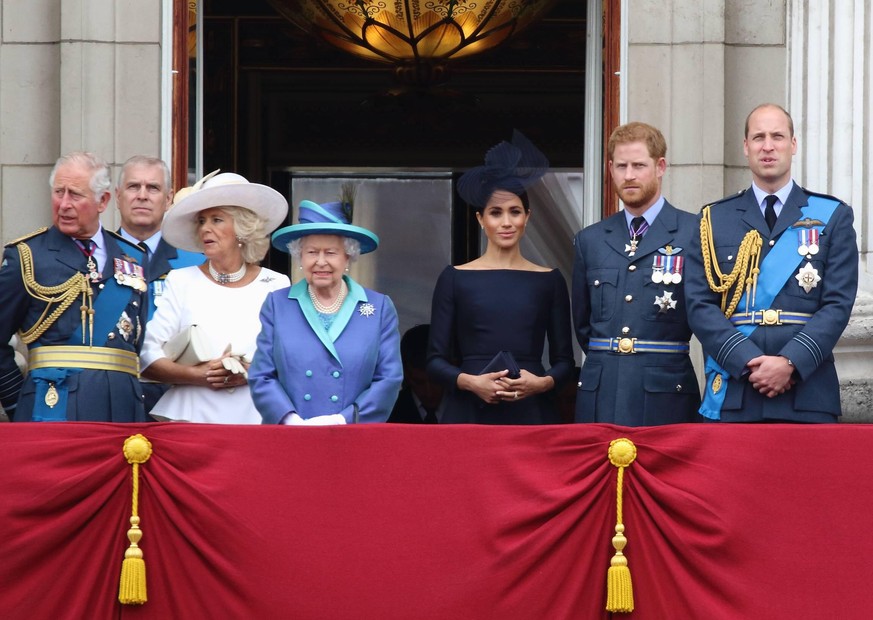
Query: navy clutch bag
x=503 y=361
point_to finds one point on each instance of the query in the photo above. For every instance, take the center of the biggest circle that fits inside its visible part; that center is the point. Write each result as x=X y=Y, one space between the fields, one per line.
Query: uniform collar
x=782 y=194
x=649 y=214
x=151 y=243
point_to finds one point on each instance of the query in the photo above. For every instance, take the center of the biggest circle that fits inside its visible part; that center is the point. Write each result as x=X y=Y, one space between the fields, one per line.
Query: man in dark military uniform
x=772 y=278
x=143 y=195
x=76 y=294
x=628 y=302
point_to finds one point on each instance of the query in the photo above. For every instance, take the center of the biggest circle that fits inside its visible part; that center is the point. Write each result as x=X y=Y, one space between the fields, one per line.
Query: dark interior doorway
x=275 y=96
x=287 y=109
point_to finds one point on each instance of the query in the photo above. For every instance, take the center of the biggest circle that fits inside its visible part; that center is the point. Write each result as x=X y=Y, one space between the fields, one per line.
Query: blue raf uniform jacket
x=96 y=395
x=816 y=395
x=614 y=297
x=353 y=369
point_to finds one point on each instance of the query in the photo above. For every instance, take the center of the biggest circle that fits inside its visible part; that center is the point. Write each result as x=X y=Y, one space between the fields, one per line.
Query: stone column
x=829 y=70
x=30 y=108
x=77 y=75
x=110 y=80
x=675 y=81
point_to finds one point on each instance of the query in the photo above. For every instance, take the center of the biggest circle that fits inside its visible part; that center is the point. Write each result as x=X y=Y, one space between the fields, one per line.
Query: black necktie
x=86 y=246
x=770 y=211
x=638 y=226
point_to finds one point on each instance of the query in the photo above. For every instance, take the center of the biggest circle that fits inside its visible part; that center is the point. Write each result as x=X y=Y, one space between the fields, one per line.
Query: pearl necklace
x=227 y=278
x=335 y=306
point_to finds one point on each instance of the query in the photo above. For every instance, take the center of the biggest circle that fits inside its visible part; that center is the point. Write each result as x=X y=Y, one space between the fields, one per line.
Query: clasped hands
x=227 y=372
x=771 y=375
x=495 y=387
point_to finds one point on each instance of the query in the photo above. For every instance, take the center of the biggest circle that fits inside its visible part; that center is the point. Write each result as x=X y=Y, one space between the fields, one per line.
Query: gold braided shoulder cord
x=63 y=294
x=746 y=268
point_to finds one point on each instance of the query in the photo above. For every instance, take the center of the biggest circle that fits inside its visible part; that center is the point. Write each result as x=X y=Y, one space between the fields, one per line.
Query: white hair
x=352 y=247
x=101 y=177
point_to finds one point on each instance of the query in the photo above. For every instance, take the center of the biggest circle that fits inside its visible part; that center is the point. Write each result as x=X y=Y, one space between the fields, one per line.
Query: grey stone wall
x=77 y=74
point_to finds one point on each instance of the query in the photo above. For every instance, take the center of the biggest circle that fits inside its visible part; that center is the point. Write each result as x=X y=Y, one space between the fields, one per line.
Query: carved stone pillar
x=830 y=56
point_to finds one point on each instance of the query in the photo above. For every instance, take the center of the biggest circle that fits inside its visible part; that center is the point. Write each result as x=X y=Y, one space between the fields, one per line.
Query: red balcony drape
x=438 y=523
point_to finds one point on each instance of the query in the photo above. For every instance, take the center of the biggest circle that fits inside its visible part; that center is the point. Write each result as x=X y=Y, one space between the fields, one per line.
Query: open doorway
x=277 y=105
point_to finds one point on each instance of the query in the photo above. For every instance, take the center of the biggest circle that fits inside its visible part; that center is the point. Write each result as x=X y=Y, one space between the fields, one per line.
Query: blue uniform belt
x=632 y=345
x=770 y=317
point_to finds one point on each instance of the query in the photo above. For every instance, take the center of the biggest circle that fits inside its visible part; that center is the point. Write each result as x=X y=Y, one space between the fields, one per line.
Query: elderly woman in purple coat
x=329 y=349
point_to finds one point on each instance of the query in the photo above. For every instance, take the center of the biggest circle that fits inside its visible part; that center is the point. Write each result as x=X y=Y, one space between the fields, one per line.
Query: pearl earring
x=239 y=241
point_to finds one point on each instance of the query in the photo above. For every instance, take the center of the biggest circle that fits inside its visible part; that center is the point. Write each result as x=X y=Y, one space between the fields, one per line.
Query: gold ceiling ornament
x=417 y=36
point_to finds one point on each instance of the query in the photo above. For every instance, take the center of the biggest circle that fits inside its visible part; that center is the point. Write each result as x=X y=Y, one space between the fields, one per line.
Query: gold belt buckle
x=626 y=345
x=771 y=317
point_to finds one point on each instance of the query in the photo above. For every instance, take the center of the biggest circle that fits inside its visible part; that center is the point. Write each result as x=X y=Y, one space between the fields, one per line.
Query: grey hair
x=145 y=160
x=101 y=177
x=250 y=230
x=352 y=247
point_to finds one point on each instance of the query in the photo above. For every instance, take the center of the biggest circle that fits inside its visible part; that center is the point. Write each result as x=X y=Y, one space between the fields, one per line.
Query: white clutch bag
x=188 y=347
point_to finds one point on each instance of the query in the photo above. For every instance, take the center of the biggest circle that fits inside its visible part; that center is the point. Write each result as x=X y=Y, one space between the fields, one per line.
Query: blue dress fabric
x=475 y=314
x=353 y=368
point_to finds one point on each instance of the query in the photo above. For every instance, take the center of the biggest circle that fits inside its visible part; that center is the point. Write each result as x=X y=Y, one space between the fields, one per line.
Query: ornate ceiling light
x=417 y=36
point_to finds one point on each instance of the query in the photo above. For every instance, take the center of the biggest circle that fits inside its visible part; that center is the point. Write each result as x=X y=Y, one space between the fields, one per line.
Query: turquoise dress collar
x=357 y=294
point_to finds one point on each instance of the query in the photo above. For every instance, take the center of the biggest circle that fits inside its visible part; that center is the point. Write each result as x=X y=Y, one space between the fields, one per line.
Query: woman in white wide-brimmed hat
x=229 y=220
x=329 y=349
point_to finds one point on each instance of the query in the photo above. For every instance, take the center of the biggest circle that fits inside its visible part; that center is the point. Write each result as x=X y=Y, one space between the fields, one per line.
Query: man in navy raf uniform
x=772 y=278
x=143 y=195
x=76 y=294
x=628 y=303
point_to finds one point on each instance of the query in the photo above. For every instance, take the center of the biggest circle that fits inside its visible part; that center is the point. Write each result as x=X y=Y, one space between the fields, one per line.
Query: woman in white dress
x=229 y=220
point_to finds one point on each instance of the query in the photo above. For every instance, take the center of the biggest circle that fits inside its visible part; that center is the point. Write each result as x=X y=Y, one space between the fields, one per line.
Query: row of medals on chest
x=127 y=273
x=667 y=266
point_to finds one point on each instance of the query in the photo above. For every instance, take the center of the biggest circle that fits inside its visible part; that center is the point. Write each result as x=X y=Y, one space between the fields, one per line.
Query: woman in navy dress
x=501 y=302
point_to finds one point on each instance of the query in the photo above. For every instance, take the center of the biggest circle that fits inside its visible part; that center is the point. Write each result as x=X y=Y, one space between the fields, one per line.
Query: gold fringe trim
x=132 y=587
x=619 y=588
x=63 y=294
x=745 y=270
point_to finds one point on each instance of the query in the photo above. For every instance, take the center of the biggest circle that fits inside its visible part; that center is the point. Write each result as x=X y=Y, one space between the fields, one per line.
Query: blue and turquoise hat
x=331 y=218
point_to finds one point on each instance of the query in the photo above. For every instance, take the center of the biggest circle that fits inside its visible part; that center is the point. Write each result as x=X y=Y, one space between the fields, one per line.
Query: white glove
x=234 y=365
x=320 y=420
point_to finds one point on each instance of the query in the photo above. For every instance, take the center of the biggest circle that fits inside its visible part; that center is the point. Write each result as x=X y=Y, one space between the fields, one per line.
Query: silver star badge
x=808 y=277
x=665 y=302
x=367 y=309
x=124 y=326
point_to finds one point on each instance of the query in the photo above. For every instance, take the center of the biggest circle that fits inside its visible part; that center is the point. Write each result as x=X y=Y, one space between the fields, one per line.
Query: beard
x=643 y=194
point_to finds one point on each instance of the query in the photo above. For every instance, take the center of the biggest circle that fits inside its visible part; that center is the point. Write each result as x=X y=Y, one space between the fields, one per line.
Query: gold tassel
x=132 y=588
x=619 y=588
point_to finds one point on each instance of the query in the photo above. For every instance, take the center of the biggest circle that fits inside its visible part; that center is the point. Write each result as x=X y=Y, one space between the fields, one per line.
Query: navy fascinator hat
x=509 y=166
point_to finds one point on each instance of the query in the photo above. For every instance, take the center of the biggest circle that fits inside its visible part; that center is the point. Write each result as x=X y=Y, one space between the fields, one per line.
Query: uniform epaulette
x=725 y=199
x=31 y=235
x=820 y=195
x=125 y=242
